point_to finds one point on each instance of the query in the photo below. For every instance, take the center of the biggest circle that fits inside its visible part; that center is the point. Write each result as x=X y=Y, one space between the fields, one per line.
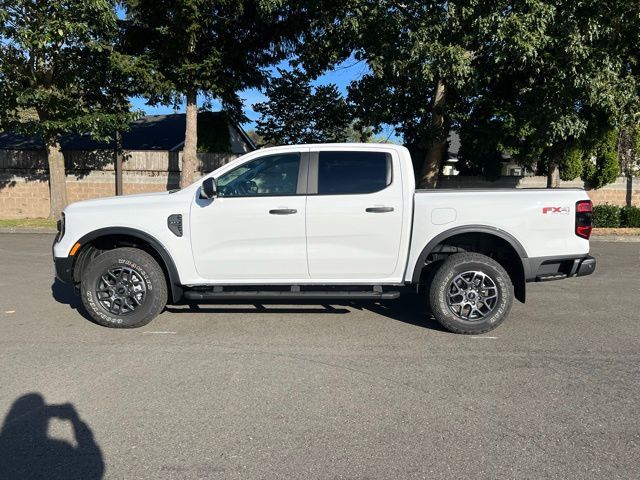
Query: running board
x=204 y=295
x=550 y=277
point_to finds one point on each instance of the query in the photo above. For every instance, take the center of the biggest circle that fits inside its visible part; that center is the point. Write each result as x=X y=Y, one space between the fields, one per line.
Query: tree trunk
x=433 y=158
x=190 y=151
x=553 y=174
x=57 y=180
x=118 y=163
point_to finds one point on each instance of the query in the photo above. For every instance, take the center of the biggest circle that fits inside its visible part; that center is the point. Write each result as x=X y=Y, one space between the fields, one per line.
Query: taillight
x=584 y=209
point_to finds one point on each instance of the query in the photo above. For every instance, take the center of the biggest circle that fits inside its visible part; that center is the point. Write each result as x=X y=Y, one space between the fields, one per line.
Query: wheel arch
x=517 y=271
x=126 y=236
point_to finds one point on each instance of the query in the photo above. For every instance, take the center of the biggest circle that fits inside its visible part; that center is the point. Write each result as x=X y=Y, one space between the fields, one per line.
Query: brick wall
x=24 y=188
x=618 y=193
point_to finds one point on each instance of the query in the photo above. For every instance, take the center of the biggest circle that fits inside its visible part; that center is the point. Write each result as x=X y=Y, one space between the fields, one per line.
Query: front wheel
x=123 y=288
x=470 y=293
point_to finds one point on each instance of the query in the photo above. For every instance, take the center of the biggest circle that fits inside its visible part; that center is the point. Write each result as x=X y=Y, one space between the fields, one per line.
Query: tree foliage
x=420 y=60
x=179 y=49
x=607 y=165
x=540 y=71
x=572 y=163
x=296 y=112
x=557 y=72
x=56 y=75
x=629 y=149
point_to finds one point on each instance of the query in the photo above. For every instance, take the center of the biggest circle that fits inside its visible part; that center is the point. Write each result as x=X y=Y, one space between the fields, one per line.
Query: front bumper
x=64 y=268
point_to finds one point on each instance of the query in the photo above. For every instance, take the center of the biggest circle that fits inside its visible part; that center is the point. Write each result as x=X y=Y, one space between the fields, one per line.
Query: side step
x=550 y=277
x=203 y=295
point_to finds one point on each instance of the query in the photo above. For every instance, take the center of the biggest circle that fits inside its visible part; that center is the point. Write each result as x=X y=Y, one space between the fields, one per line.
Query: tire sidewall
x=145 y=266
x=439 y=292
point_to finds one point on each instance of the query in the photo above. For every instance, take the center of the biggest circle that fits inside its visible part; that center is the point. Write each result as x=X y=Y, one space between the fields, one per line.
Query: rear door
x=354 y=214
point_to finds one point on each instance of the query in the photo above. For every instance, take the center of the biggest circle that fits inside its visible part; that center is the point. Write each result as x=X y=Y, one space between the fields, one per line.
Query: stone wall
x=24 y=186
x=622 y=192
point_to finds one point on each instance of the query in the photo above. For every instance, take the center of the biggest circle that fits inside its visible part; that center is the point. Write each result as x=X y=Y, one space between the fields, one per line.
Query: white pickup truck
x=321 y=223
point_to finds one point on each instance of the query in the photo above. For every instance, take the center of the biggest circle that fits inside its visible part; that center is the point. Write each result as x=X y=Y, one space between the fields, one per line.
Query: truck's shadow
x=27 y=451
x=64 y=293
x=409 y=308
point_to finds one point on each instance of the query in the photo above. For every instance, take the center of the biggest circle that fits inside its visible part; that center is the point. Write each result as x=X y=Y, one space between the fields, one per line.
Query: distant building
x=216 y=134
x=509 y=167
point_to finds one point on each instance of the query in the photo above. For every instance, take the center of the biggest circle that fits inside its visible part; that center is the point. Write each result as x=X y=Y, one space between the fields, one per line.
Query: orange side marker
x=74 y=249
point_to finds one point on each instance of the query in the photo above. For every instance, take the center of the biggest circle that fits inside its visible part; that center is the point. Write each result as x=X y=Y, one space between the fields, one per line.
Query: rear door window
x=346 y=172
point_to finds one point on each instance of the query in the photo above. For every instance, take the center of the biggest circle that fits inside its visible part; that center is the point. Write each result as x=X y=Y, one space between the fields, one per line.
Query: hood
x=119 y=201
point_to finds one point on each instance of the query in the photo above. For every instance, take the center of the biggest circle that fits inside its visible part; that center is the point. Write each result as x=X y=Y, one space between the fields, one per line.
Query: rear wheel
x=470 y=294
x=123 y=288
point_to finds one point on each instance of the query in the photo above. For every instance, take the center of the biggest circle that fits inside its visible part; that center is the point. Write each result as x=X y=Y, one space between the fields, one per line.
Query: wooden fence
x=103 y=160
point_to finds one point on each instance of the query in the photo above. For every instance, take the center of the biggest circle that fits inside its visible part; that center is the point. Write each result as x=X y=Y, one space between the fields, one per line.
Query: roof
x=151 y=132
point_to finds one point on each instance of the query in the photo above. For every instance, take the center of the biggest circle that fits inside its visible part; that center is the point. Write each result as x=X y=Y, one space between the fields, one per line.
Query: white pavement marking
x=163 y=333
x=10 y=311
x=488 y=338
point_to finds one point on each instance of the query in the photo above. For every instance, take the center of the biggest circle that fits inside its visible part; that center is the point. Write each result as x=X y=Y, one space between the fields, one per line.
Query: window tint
x=353 y=172
x=270 y=175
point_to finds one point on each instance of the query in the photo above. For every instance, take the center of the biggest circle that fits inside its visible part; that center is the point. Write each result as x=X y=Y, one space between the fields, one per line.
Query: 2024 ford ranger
x=321 y=223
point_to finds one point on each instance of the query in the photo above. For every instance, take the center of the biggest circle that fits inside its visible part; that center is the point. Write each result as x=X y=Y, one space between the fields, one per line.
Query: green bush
x=606 y=216
x=572 y=164
x=630 y=217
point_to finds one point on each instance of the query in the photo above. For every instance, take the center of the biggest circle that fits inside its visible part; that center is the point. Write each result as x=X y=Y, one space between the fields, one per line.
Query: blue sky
x=341 y=75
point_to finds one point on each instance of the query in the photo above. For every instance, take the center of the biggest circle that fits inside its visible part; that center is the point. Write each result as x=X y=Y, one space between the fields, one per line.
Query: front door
x=255 y=227
x=354 y=215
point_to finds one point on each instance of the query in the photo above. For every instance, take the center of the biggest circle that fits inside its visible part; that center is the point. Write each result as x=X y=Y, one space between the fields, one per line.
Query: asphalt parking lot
x=243 y=391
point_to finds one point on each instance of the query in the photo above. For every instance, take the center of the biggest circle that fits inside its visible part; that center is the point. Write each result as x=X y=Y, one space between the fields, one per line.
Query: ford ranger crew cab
x=321 y=223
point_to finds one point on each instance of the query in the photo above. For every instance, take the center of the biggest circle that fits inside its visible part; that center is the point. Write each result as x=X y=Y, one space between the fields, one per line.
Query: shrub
x=606 y=216
x=572 y=163
x=630 y=217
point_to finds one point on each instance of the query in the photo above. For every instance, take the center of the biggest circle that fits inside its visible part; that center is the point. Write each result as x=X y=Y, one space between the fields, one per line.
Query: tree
x=179 y=49
x=540 y=70
x=629 y=149
x=420 y=55
x=556 y=73
x=298 y=113
x=56 y=76
x=257 y=139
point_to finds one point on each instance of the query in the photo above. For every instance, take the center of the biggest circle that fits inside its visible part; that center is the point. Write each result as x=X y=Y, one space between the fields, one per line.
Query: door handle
x=379 y=209
x=283 y=211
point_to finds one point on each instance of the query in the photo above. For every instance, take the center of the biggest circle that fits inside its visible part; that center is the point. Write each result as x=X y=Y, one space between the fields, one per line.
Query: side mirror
x=208 y=190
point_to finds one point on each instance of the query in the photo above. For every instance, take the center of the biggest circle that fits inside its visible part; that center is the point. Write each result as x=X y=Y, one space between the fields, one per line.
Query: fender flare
x=175 y=286
x=510 y=239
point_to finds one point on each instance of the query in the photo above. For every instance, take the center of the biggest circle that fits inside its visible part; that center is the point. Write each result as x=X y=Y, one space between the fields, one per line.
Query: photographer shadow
x=26 y=450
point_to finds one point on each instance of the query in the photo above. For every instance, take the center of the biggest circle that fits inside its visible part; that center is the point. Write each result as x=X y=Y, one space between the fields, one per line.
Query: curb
x=616 y=238
x=46 y=230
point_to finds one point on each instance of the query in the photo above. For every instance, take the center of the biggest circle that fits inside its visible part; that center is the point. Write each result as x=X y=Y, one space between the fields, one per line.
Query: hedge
x=630 y=217
x=611 y=216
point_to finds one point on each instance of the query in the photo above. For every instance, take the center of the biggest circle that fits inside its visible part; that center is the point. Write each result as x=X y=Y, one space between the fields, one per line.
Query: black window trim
x=301 y=187
x=314 y=157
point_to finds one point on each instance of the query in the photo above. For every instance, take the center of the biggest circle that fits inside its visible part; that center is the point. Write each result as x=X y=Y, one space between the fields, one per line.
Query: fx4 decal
x=560 y=210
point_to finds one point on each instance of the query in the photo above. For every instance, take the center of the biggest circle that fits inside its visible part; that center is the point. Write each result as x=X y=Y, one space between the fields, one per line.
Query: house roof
x=151 y=132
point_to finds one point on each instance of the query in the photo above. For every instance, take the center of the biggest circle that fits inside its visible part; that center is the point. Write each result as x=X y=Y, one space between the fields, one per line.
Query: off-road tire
x=468 y=262
x=145 y=268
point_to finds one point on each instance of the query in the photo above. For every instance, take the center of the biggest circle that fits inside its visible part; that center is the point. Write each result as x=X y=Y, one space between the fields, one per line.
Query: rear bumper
x=586 y=267
x=64 y=268
x=544 y=269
